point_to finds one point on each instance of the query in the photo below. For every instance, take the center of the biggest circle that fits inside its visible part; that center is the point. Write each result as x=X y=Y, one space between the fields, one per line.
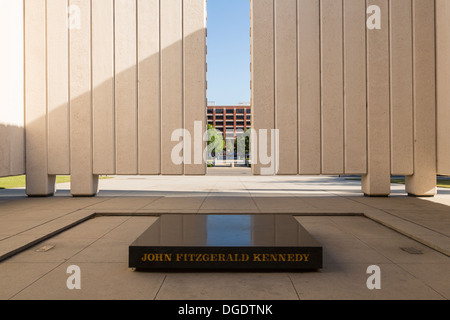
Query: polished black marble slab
x=226 y=242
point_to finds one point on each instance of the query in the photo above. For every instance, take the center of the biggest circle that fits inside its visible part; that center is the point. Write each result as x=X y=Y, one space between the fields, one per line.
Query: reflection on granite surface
x=226 y=231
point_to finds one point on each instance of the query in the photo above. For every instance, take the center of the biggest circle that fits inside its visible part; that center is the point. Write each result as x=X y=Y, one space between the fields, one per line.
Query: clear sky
x=228 y=51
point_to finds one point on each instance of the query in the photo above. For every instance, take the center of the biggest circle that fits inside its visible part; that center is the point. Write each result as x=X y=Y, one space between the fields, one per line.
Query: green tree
x=215 y=141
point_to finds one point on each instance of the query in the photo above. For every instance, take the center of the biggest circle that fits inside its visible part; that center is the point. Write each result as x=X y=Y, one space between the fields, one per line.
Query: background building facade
x=230 y=118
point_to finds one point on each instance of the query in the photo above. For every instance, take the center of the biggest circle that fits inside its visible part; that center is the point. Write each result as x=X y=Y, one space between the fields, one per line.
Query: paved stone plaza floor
x=407 y=237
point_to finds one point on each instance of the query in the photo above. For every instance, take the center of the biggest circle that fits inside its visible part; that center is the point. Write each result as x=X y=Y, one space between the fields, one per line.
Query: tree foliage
x=215 y=140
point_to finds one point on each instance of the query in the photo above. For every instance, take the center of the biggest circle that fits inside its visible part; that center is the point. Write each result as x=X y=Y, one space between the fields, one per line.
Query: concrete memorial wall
x=350 y=85
x=91 y=88
x=107 y=83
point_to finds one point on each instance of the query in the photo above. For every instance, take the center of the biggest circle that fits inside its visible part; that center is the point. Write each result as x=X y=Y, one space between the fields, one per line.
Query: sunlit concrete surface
x=408 y=238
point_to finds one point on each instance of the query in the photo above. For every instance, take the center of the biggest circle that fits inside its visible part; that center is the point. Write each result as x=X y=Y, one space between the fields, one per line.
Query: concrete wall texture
x=349 y=99
x=98 y=87
x=106 y=84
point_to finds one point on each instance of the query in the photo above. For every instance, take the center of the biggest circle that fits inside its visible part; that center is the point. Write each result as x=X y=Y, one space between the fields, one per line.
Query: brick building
x=230 y=118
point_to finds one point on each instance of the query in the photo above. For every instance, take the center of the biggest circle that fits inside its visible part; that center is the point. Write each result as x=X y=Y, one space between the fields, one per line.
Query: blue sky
x=228 y=51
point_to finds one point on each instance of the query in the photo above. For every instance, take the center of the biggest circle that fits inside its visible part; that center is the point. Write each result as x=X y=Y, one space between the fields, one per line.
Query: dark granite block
x=226 y=242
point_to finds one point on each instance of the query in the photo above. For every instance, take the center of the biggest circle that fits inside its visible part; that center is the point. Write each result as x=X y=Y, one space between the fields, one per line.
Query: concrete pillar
x=194 y=82
x=332 y=87
x=149 y=90
x=377 y=180
x=39 y=183
x=355 y=138
x=423 y=181
x=126 y=87
x=83 y=181
x=172 y=109
x=401 y=87
x=309 y=87
x=104 y=145
x=263 y=75
x=286 y=95
x=58 y=88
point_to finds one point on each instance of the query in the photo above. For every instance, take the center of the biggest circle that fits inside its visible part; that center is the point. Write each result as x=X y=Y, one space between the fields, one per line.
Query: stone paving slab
x=364 y=230
x=102 y=258
x=348 y=282
x=29 y=236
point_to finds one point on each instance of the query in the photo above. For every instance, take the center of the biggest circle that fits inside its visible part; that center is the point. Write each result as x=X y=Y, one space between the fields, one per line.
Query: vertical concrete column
x=171 y=84
x=332 y=87
x=401 y=87
x=83 y=181
x=423 y=181
x=309 y=87
x=149 y=90
x=58 y=88
x=126 y=87
x=194 y=81
x=39 y=183
x=377 y=181
x=286 y=118
x=443 y=79
x=355 y=87
x=104 y=148
x=263 y=77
